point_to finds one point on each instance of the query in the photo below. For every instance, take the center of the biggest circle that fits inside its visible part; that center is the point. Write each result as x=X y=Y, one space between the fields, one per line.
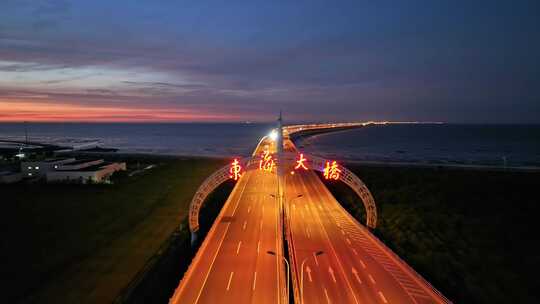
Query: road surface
x=232 y=265
x=355 y=267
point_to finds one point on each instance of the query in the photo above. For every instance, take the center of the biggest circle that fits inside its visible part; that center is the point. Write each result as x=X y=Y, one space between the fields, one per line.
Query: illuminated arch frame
x=314 y=163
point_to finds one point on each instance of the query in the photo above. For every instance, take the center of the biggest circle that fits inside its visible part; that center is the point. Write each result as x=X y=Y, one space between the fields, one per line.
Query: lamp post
x=287 y=272
x=315 y=254
x=288 y=204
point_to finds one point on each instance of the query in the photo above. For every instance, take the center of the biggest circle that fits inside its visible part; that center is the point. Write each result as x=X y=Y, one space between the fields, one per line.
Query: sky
x=164 y=60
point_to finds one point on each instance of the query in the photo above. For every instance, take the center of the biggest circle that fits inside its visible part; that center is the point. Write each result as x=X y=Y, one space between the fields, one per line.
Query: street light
x=315 y=254
x=288 y=269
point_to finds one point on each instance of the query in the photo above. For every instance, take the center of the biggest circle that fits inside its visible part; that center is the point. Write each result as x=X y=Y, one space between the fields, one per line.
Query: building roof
x=53 y=160
x=92 y=168
x=80 y=161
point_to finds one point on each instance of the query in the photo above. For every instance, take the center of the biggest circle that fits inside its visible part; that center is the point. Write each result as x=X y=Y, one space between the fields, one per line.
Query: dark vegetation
x=472 y=234
x=156 y=282
x=86 y=243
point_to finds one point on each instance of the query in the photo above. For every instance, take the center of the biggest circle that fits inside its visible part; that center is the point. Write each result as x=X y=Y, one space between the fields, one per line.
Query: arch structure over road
x=314 y=163
x=349 y=178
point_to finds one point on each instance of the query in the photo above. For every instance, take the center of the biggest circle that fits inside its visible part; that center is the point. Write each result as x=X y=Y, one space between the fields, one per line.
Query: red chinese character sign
x=301 y=162
x=331 y=170
x=235 y=172
x=267 y=162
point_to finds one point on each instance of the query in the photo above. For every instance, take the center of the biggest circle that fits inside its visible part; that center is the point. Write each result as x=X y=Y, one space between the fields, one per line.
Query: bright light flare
x=273 y=135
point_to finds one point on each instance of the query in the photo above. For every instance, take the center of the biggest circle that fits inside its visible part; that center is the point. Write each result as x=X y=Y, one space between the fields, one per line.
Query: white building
x=71 y=170
x=93 y=171
x=40 y=168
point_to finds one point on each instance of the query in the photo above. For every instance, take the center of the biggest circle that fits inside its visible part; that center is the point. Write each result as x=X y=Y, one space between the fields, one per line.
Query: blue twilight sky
x=161 y=60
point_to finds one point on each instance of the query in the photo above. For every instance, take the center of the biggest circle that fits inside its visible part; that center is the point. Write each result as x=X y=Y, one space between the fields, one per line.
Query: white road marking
x=316 y=260
x=254 y=281
x=230 y=279
x=258 y=246
x=348 y=241
x=238 y=247
x=342 y=231
x=382 y=297
x=249 y=209
x=244 y=226
x=355 y=252
x=308 y=270
x=371 y=279
x=260 y=226
x=355 y=273
x=326 y=295
x=331 y=271
x=307 y=233
x=362 y=263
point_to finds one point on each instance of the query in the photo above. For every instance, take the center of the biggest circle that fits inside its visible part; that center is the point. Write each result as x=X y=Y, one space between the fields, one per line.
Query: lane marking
x=258 y=246
x=212 y=232
x=260 y=226
x=382 y=297
x=254 y=281
x=316 y=260
x=318 y=216
x=244 y=226
x=355 y=252
x=230 y=279
x=348 y=241
x=331 y=271
x=308 y=270
x=342 y=232
x=249 y=209
x=371 y=279
x=326 y=295
x=355 y=273
x=238 y=247
x=362 y=263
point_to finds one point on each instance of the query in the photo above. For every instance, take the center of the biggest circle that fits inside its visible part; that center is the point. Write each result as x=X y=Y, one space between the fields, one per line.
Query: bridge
x=281 y=236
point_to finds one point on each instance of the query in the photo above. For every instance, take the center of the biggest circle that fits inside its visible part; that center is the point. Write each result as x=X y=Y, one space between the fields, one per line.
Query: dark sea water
x=518 y=145
x=441 y=144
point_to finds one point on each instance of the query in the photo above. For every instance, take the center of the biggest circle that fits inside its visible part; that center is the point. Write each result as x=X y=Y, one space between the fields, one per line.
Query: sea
x=460 y=144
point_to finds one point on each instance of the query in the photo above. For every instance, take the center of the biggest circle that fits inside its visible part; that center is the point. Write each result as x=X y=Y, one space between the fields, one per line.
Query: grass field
x=84 y=243
x=470 y=233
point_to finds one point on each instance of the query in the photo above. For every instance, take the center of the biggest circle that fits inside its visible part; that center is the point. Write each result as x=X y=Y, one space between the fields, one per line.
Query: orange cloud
x=16 y=111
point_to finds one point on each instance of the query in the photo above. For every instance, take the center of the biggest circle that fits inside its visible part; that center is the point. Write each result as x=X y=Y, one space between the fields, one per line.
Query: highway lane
x=355 y=266
x=232 y=264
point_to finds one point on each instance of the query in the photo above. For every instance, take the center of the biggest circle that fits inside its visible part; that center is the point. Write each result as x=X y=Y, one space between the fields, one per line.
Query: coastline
x=351 y=162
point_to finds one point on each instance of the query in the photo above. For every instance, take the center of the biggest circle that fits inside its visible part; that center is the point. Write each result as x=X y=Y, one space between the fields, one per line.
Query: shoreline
x=350 y=162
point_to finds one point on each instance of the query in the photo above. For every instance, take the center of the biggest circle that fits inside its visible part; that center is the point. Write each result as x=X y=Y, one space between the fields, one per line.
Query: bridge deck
x=232 y=265
x=355 y=266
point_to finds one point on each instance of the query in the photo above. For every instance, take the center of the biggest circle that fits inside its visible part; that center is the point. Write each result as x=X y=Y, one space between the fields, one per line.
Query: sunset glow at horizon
x=42 y=112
